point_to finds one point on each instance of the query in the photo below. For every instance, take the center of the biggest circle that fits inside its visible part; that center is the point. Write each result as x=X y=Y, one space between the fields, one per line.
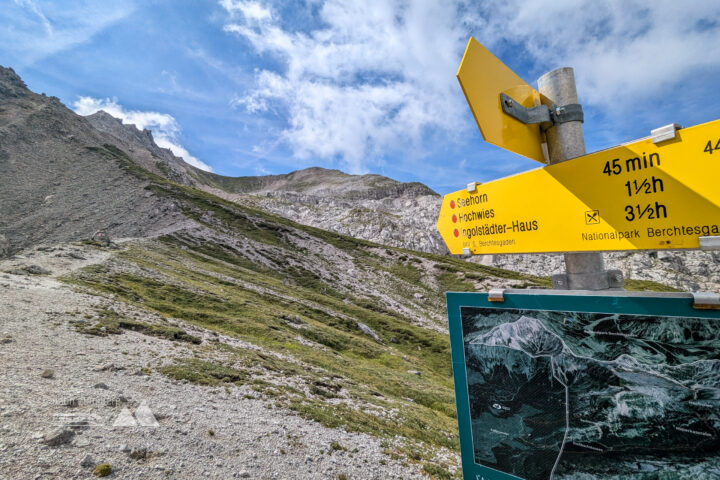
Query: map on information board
x=591 y=395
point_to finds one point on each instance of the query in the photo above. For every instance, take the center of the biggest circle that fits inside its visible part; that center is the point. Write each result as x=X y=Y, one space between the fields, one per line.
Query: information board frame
x=609 y=302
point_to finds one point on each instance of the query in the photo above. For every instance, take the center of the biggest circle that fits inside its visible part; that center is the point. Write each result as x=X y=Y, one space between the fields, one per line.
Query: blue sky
x=258 y=87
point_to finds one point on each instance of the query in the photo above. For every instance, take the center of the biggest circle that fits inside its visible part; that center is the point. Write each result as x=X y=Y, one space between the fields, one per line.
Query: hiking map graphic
x=560 y=394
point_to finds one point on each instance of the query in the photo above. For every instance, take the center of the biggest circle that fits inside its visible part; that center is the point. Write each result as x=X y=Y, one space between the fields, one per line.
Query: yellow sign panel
x=483 y=77
x=631 y=197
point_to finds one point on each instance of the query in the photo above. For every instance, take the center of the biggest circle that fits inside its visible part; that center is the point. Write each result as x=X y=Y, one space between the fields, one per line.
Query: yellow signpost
x=483 y=77
x=635 y=196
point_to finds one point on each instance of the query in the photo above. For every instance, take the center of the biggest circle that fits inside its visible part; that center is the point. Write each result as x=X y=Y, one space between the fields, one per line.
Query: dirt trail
x=201 y=432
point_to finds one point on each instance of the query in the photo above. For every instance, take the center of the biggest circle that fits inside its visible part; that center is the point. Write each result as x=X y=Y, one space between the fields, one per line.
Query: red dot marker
x=452 y=203
x=454 y=218
x=456 y=233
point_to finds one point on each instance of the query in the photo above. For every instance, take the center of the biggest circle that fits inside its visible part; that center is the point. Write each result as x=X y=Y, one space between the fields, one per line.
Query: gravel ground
x=65 y=396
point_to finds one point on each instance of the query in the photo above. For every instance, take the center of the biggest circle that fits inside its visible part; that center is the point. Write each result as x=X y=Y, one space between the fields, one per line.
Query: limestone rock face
x=406 y=221
x=141 y=147
x=369 y=207
x=4 y=245
x=61 y=179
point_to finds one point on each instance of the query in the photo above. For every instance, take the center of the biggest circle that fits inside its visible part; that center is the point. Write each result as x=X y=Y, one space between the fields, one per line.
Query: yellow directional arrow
x=635 y=196
x=483 y=77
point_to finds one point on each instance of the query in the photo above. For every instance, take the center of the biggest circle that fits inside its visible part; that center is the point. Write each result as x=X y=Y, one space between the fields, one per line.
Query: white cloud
x=376 y=76
x=165 y=128
x=252 y=11
x=621 y=50
x=35 y=9
x=31 y=30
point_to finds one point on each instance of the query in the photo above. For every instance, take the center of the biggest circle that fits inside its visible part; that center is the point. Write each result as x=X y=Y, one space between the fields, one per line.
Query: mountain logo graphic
x=143 y=417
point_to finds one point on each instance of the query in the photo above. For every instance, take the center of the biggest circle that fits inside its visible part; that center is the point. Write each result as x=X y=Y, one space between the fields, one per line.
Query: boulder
x=59 y=437
x=369 y=332
x=4 y=246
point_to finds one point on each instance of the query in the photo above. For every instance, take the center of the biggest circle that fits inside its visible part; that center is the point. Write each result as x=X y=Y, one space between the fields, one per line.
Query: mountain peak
x=102 y=115
x=11 y=85
x=104 y=121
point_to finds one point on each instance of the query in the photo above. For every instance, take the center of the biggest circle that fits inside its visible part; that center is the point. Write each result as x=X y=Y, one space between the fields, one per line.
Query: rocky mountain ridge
x=320 y=182
x=141 y=147
x=369 y=207
x=59 y=177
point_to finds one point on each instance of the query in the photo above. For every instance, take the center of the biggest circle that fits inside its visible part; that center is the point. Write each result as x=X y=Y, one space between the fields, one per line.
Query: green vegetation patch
x=648 y=286
x=437 y=472
x=407 y=271
x=111 y=323
x=480 y=272
x=452 y=282
x=102 y=470
x=204 y=373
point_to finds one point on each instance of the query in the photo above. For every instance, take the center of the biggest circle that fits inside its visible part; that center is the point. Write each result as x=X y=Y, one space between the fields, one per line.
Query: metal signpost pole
x=584 y=271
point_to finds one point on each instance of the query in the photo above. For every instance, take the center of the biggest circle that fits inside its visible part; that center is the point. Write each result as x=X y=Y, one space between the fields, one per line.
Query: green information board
x=561 y=385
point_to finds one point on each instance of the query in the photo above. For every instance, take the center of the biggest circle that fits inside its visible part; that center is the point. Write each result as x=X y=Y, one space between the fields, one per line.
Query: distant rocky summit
x=370 y=207
x=141 y=146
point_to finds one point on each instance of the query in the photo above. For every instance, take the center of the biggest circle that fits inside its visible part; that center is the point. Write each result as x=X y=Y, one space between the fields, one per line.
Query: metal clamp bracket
x=527 y=115
x=542 y=114
x=572 y=112
x=472 y=186
x=662 y=134
x=496 y=295
x=710 y=243
x=706 y=301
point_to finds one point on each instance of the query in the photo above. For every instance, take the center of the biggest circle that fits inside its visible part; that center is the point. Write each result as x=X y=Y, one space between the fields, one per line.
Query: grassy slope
x=281 y=289
x=229 y=184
